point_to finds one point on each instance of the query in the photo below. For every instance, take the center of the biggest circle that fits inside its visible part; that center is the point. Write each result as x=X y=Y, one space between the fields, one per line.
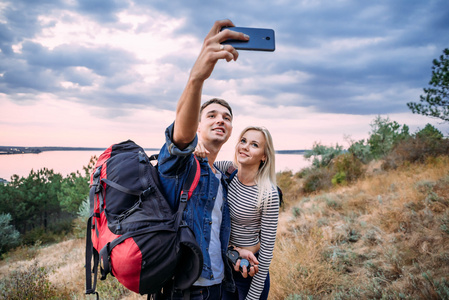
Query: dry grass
x=302 y=269
x=383 y=237
x=64 y=263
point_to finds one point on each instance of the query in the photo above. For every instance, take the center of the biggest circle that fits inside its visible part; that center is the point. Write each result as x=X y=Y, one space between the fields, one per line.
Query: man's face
x=215 y=125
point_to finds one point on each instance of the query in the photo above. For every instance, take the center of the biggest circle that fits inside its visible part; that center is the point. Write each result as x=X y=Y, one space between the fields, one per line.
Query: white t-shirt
x=215 y=244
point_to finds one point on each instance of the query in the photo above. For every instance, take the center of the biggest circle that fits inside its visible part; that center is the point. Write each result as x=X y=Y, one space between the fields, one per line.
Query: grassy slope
x=384 y=236
x=387 y=236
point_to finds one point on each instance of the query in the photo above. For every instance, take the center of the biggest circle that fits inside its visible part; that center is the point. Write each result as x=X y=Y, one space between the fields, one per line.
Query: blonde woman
x=254 y=208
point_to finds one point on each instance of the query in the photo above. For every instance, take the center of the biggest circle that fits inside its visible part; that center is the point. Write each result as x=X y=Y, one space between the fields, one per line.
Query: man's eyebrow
x=217 y=112
x=228 y=114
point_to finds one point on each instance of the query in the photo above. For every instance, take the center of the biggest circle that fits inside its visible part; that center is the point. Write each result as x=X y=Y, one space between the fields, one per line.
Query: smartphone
x=260 y=39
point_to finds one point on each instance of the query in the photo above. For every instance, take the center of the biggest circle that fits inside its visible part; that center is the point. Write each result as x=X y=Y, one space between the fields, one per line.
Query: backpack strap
x=121 y=188
x=190 y=184
x=231 y=176
x=90 y=251
x=230 y=172
x=281 y=196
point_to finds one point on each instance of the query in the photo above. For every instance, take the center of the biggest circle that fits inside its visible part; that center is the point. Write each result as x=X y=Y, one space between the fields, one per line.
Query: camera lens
x=267 y=38
x=244 y=262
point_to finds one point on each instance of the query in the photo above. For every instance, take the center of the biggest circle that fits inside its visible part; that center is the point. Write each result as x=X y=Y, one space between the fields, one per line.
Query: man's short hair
x=217 y=101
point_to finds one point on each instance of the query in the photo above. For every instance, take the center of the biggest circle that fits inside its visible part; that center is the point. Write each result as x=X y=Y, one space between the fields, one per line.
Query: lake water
x=65 y=162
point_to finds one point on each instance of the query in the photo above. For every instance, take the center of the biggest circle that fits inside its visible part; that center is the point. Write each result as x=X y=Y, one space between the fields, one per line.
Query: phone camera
x=267 y=38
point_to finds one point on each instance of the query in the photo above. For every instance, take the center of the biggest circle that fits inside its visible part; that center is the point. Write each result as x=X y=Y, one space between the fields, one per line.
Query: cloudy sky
x=94 y=72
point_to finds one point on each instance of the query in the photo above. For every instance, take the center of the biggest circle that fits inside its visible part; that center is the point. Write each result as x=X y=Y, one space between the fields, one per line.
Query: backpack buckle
x=105 y=261
x=148 y=191
x=143 y=158
x=96 y=180
x=184 y=197
x=97 y=172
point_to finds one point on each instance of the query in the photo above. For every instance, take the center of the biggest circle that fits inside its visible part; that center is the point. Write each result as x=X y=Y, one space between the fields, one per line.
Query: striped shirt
x=250 y=225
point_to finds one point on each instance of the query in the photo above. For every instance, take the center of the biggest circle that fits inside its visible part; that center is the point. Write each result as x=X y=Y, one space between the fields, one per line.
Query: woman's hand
x=254 y=263
x=200 y=150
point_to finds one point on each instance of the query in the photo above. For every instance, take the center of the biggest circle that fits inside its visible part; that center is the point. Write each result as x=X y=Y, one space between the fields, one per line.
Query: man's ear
x=199 y=126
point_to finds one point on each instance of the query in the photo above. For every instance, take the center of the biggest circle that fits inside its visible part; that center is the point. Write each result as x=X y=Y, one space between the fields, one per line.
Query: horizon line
x=64 y=148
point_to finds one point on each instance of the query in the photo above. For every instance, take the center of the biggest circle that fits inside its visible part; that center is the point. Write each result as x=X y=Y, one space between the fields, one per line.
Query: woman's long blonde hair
x=266 y=174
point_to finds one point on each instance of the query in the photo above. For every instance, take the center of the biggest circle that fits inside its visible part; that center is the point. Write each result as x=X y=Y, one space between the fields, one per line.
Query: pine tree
x=435 y=101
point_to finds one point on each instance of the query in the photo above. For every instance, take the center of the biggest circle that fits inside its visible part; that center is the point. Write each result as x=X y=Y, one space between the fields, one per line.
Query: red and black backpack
x=132 y=231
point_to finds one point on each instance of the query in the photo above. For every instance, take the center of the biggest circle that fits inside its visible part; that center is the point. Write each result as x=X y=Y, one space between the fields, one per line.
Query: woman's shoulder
x=274 y=191
x=274 y=188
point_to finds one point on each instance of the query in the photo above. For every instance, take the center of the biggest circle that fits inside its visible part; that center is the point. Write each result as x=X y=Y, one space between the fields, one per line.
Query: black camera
x=233 y=256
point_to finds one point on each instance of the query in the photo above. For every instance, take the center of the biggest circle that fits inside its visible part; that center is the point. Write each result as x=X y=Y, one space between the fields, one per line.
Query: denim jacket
x=174 y=165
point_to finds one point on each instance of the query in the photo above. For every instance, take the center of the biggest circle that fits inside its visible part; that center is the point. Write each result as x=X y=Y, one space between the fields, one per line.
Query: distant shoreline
x=291 y=151
x=9 y=150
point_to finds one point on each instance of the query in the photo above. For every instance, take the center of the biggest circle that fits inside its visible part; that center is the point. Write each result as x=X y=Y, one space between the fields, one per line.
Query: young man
x=207 y=213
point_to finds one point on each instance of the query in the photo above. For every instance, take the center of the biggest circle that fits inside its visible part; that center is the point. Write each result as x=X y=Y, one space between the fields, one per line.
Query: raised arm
x=187 y=111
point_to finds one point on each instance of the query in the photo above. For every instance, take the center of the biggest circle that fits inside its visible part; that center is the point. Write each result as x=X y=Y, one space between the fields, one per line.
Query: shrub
x=61 y=227
x=361 y=150
x=318 y=179
x=9 y=236
x=339 y=179
x=385 y=136
x=445 y=223
x=296 y=211
x=22 y=253
x=31 y=283
x=112 y=288
x=302 y=173
x=429 y=131
x=323 y=155
x=415 y=149
x=428 y=287
x=38 y=235
x=80 y=223
x=284 y=180
x=348 y=168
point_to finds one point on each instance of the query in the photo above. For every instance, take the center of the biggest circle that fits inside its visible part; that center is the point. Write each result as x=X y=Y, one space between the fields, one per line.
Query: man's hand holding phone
x=260 y=39
x=223 y=41
x=213 y=50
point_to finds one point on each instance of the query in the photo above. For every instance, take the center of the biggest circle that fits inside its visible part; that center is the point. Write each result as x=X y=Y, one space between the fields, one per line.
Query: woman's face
x=251 y=148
